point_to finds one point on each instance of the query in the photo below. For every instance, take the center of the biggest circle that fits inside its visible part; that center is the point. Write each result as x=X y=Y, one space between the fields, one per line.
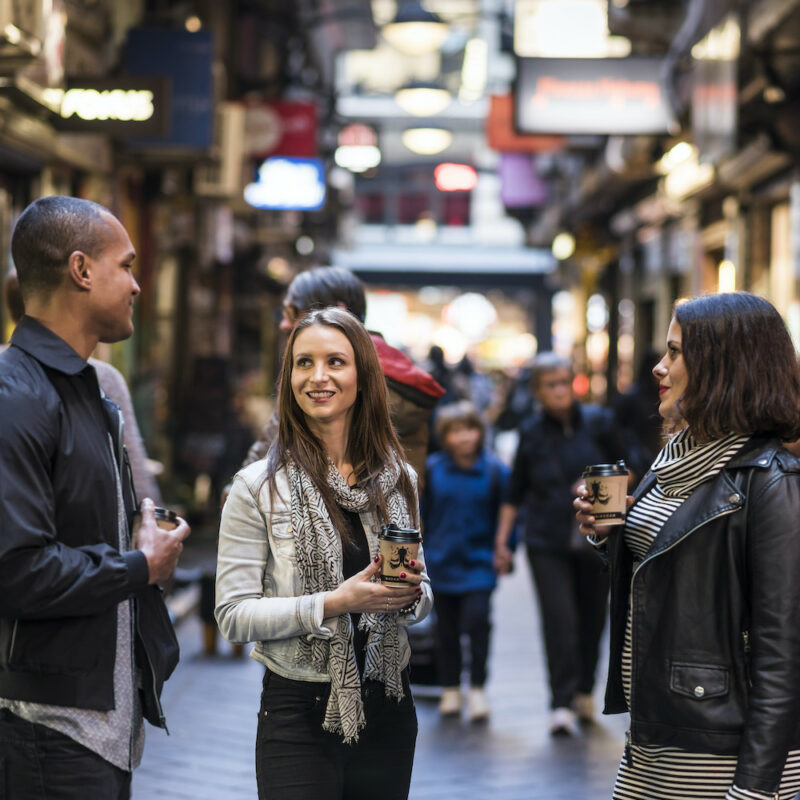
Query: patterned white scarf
x=319 y=559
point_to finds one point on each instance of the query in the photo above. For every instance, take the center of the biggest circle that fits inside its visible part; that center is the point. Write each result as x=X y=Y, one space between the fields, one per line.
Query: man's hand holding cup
x=159 y=534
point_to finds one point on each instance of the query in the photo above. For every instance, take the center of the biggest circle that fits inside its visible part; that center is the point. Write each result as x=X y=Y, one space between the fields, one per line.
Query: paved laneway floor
x=211 y=706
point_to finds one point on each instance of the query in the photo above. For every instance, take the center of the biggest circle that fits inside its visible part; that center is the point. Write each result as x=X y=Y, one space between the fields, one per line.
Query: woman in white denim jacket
x=298 y=574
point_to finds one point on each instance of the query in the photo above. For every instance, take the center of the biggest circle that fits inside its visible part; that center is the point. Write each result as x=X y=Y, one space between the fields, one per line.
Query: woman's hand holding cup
x=584 y=513
x=363 y=592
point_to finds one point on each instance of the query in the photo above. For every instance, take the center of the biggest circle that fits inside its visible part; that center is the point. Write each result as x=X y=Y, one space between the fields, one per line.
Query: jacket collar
x=718 y=496
x=47 y=347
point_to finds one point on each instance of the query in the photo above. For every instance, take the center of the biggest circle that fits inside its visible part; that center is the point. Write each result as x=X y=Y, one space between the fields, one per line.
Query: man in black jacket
x=85 y=644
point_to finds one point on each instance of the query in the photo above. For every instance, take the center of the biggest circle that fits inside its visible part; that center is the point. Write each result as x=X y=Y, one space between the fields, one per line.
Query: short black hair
x=322 y=287
x=47 y=232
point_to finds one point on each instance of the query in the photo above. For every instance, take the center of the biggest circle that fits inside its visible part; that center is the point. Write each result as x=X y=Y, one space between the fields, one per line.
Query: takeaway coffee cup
x=398 y=546
x=607 y=489
x=165 y=519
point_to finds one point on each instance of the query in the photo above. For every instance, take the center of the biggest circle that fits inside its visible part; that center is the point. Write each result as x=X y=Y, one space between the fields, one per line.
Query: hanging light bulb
x=422 y=99
x=426 y=141
x=414 y=30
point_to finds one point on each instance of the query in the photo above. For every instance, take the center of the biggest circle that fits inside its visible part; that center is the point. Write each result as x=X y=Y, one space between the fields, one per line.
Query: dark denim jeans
x=38 y=763
x=297 y=760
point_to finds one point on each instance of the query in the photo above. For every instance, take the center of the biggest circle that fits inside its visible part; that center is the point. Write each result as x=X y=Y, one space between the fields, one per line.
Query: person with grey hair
x=85 y=636
x=556 y=442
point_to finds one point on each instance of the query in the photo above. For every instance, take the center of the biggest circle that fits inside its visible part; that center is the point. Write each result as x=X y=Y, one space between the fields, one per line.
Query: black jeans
x=573 y=598
x=458 y=614
x=38 y=763
x=297 y=760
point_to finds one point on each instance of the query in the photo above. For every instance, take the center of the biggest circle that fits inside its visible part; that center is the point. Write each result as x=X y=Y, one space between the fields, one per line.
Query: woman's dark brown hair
x=742 y=370
x=372 y=442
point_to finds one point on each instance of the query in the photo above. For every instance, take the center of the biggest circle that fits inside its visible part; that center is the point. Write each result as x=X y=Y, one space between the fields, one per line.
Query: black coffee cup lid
x=165 y=513
x=162 y=513
x=396 y=534
x=594 y=470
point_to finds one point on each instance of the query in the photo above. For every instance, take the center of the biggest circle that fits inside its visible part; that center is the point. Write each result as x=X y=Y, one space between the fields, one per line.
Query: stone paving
x=211 y=706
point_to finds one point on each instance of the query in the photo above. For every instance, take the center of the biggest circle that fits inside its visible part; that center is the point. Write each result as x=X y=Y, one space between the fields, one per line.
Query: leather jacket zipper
x=746 y=647
x=13 y=640
x=633 y=618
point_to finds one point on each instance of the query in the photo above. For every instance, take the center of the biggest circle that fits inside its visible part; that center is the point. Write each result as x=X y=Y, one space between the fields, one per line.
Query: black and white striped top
x=667 y=773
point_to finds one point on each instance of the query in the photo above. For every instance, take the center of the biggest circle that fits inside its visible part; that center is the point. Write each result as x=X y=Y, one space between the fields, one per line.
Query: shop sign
x=280 y=128
x=288 y=184
x=126 y=107
x=600 y=96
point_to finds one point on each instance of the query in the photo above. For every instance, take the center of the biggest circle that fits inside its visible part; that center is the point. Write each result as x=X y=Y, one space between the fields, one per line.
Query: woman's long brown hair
x=371 y=443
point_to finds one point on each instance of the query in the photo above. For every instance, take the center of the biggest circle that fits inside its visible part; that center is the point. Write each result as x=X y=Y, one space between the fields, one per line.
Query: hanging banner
x=280 y=128
x=500 y=133
x=184 y=59
x=600 y=96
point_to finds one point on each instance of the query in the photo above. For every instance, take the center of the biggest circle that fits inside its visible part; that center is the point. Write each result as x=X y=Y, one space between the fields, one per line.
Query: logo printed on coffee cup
x=399 y=547
x=607 y=486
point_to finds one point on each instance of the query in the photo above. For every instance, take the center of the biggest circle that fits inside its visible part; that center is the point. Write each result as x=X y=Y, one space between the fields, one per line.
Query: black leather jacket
x=716 y=619
x=61 y=572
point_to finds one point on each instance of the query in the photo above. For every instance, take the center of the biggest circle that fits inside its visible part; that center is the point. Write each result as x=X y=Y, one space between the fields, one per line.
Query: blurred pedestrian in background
x=114 y=387
x=556 y=443
x=413 y=394
x=637 y=416
x=705 y=649
x=466 y=485
x=297 y=575
x=85 y=636
x=443 y=374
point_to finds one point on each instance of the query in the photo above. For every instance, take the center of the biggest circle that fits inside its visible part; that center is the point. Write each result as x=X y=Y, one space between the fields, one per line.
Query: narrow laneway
x=211 y=708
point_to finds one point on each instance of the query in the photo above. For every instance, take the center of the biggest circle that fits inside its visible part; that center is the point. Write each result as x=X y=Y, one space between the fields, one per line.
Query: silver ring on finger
x=387 y=605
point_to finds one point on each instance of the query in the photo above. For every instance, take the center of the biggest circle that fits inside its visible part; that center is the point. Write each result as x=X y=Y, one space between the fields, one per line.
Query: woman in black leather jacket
x=705 y=596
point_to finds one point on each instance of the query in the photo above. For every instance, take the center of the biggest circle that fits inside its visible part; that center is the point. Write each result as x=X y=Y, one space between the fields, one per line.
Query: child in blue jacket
x=465 y=485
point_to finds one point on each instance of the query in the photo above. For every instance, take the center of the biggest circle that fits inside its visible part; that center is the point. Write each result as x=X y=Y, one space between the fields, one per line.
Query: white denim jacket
x=259 y=589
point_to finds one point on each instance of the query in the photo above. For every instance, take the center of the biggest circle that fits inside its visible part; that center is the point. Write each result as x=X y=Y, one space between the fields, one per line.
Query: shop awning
x=420 y=265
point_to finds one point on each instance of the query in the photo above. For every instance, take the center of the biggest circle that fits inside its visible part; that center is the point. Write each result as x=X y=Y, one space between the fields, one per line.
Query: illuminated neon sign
x=455 y=177
x=129 y=107
x=118 y=104
x=288 y=184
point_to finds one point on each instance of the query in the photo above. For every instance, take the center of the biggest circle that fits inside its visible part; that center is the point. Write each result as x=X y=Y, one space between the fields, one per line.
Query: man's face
x=290 y=316
x=113 y=287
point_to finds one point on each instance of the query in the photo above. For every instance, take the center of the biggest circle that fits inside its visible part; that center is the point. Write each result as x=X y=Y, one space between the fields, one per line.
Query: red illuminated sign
x=455 y=177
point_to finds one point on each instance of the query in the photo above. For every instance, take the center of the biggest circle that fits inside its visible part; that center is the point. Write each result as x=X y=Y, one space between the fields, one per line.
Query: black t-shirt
x=355 y=556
